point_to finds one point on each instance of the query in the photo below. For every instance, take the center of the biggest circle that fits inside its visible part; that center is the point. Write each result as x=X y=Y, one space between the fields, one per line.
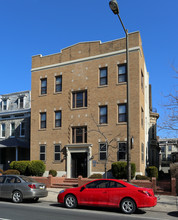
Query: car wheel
x=17 y=197
x=128 y=206
x=70 y=201
x=35 y=199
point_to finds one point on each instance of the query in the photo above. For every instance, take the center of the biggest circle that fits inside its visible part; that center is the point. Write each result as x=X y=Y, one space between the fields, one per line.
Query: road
x=52 y=211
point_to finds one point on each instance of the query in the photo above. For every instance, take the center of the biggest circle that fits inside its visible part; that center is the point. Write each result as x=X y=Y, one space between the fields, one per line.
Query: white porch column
x=68 y=162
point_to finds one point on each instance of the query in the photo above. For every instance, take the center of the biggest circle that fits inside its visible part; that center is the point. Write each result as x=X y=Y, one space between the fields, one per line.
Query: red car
x=108 y=193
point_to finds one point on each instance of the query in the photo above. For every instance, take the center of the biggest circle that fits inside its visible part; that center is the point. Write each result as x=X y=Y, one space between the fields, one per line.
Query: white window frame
x=3 y=136
x=12 y=136
x=21 y=129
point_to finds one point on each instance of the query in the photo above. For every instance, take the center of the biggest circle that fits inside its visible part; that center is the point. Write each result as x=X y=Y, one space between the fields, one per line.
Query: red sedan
x=108 y=193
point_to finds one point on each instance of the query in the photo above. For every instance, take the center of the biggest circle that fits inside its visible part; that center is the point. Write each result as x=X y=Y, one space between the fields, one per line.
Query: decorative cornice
x=85 y=59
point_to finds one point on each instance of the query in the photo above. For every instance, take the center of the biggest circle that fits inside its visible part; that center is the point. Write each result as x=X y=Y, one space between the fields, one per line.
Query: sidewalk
x=164 y=203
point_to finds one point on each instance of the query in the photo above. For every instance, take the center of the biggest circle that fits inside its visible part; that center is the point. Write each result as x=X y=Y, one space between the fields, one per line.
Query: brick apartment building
x=79 y=100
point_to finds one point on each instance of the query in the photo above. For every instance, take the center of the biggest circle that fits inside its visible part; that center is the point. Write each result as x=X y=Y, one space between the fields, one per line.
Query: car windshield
x=28 y=179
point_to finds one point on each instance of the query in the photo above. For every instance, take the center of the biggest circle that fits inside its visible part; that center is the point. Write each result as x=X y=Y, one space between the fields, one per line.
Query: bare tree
x=170 y=121
x=108 y=142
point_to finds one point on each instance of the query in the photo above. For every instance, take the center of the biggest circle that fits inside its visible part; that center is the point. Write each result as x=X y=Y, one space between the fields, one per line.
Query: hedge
x=11 y=171
x=152 y=171
x=36 y=168
x=53 y=173
x=33 y=168
x=119 y=170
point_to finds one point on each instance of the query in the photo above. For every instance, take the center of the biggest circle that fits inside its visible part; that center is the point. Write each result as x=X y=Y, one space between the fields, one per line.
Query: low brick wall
x=166 y=185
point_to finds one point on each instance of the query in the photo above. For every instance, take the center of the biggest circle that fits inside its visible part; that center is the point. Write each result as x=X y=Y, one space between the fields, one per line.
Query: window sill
x=42 y=129
x=56 y=93
x=57 y=162
x=80 y=108
x=121 y=123
x=41 y=95
x=121 y=83
x=58 y=128
x=102 y=86
x=100 y=125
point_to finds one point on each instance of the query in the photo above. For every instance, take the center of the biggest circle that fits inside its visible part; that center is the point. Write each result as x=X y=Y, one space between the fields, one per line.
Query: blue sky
x=31 y=27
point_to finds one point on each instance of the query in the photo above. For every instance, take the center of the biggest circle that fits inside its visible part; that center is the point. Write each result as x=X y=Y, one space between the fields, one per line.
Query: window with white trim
x=57 y=152
x=103 y=151
x=12 y=129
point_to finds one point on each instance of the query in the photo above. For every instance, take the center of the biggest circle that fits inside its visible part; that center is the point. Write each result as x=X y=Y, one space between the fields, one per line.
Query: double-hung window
x=58 y=117
x=103 y=151
x=12 y=129
x=122 y=73
x=122 y=150
x=57 y=152
x=58 y=83
x=43 y=152
x=122 y=113
x=22 y=129
x=43 y=120
x=103 y=76
x=43 y=86
x=3 y=130
x=103 y=114
x=5 y=104
x=79 y=99
x=79 y=135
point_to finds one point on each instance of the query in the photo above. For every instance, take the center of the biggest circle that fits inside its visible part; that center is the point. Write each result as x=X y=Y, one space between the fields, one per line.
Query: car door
x=116 y=192
x=8 y=186
x=95 y=194
x=1 y=183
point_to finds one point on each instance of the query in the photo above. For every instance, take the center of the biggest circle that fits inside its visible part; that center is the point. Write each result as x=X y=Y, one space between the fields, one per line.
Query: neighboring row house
x=79 y=100
x=169 y=152
x=15 y=110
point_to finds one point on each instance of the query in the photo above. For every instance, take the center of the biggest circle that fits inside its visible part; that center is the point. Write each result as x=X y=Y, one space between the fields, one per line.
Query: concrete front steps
x=67 y=183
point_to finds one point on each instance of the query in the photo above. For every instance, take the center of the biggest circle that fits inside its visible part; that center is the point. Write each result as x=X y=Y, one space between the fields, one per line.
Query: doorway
x=79 y=165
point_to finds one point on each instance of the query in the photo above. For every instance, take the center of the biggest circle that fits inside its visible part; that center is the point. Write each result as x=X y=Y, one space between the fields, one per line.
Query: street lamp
x=115 y=9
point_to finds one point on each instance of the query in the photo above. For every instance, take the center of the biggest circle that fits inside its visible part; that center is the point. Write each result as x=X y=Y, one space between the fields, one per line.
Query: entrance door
x=79 y=164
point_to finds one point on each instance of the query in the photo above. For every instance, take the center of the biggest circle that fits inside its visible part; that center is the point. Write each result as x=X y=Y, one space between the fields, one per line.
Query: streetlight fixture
x=115 y=9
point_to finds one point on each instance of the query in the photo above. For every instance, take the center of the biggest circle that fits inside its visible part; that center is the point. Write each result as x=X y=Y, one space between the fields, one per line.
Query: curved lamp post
x=115 y=9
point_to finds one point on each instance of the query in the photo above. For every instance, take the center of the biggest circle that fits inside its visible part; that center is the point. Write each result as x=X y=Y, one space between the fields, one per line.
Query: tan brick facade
x=79 y=67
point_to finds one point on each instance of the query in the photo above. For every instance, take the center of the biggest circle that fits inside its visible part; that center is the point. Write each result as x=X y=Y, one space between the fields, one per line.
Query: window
x=122 y=113
x=79 y=99
x=3 y=130
x=122 y=73
x=79 y=135
x=58 y=83
x=57 y=152
x=142 y=80
x=169 y=157
x=58 y=119
x=43 y=120
x=12 y=129
x=103 y=151
x=162 y=149
x=43 y=86
x=103 y=76
x=163 y=157
x=169 y=148
x=22 y=129
x=122 y=150
x=21 y=101
x=103 y=115
x=43 y=152
x=104 y=184
x=142 y=152
x=5 y=104
x=142 y=116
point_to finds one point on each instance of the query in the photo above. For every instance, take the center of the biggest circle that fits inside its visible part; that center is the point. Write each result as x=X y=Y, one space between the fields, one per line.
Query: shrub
x=1 y=171
x=140 y=177
x=152 y=171
x=174 y=170
x=96 y=176
x=21 y=166
x=10 y=171
x=53 y=173
x=36 y=168
x=119 y=170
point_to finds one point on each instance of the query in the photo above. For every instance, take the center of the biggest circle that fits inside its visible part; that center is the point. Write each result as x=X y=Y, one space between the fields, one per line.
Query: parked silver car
x=17 y=188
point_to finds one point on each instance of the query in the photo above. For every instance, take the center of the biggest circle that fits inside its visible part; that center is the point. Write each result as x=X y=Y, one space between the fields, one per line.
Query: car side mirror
x=82 y=188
